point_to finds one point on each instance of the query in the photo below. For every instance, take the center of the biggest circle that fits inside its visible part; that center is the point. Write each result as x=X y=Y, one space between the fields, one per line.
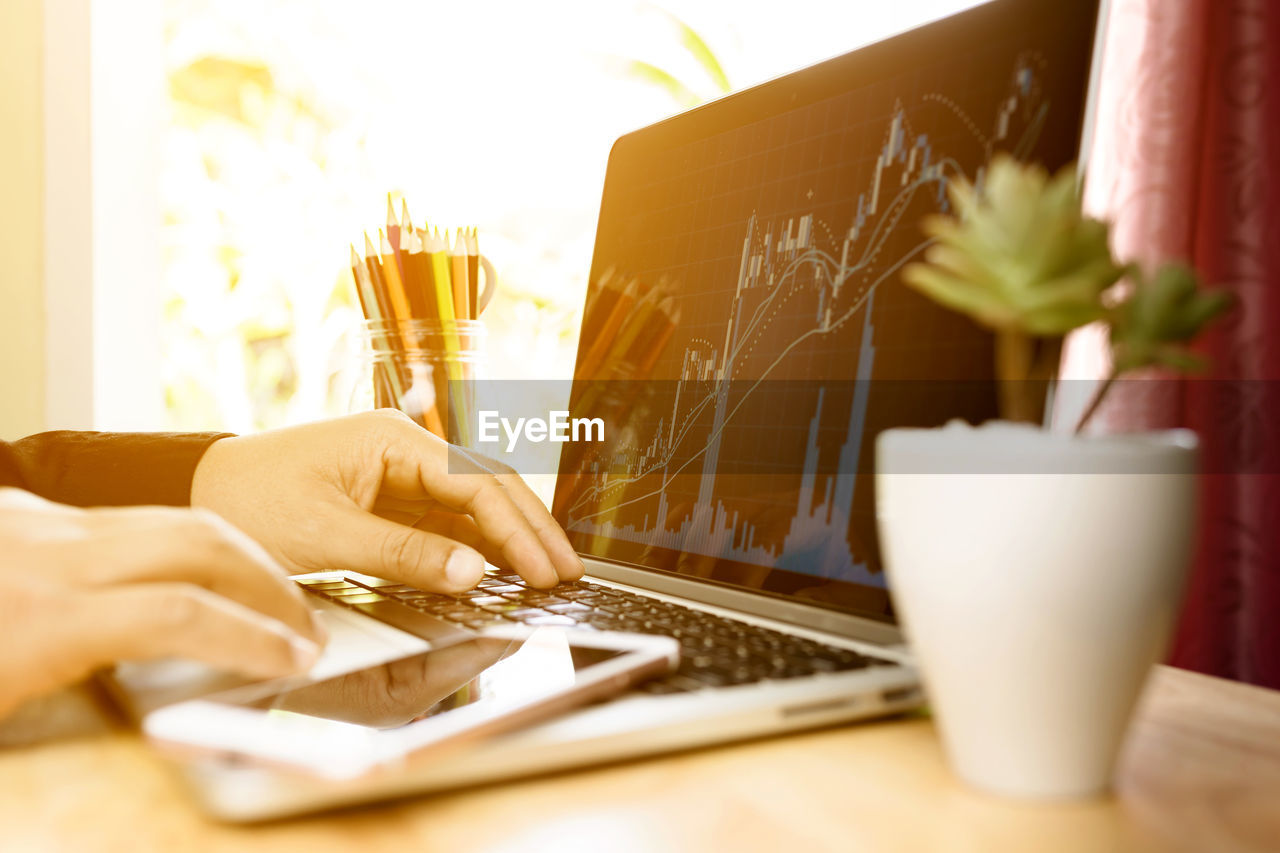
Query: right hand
x=85 y=588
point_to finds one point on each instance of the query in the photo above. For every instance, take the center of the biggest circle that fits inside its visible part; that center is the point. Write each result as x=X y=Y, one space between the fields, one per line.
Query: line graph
x=807 y=291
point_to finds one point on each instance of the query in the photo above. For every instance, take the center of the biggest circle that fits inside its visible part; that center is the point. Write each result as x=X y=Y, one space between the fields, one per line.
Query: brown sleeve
x=105 y=468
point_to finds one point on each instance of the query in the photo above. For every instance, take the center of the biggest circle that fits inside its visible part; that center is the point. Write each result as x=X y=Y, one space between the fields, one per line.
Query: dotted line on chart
x=768 y=318
x=955 y=108
x=706 y=343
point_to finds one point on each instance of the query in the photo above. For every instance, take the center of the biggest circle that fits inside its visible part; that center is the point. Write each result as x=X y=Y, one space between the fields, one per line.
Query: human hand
x=373 y=493
x=85 y=588
x=396 y=693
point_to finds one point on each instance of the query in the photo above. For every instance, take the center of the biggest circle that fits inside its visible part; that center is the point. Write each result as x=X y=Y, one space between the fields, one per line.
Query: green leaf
x=701 y=54
x=1019 y=255
x=1161 y=314
x=651 y=73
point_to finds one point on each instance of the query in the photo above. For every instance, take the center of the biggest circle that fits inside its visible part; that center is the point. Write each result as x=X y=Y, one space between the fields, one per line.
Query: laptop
x=732 y=506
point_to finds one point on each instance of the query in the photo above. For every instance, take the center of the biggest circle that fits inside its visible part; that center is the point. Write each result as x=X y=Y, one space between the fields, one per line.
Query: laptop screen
x=746 y=333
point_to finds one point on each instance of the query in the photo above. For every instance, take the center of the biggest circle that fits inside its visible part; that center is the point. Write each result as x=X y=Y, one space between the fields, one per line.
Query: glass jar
x=428 y=370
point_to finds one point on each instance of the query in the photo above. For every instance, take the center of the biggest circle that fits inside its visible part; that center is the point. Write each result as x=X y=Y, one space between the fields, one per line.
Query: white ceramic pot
x=1037 y=577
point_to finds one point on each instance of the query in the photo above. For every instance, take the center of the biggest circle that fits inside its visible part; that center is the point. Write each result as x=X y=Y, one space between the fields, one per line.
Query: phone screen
x=489 y=673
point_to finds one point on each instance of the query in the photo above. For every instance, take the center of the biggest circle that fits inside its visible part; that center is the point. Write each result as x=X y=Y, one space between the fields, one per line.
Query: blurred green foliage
x=1019 y=255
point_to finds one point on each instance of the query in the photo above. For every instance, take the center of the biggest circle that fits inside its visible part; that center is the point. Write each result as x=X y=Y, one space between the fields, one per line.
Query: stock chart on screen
x=778 y=226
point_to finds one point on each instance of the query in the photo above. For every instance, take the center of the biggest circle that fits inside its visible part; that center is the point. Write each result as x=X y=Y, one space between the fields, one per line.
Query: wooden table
x=1201 y=771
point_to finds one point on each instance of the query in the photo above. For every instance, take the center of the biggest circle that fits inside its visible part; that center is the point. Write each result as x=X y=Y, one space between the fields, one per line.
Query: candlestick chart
x=788 y=238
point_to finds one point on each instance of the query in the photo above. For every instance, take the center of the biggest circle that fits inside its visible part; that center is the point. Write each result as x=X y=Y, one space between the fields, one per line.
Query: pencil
x=449 y=331
x=462 y=300
x=374 y=312
x=641 y=358
x=649 y=347
x=600 y=302
x=441 y=278
x=415 y=285
x=410 y=388
x=383 y=299
x=609 y=328
x=473 y=271
x=356 y=276
x=640 y=325
x=636 y=323
x=393 y=236
x=394 y=283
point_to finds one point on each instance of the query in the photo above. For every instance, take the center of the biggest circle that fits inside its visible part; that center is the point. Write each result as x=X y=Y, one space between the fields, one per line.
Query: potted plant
x=1037 y=573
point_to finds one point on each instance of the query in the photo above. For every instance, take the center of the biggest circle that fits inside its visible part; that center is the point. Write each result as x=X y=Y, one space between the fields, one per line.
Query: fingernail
x=463 y=569
x=305 y=652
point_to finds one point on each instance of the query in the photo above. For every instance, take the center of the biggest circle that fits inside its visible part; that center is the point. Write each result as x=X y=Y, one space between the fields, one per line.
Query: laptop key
x=357 y=597
x=567 y=607
x=322 y=586
x=726 y=651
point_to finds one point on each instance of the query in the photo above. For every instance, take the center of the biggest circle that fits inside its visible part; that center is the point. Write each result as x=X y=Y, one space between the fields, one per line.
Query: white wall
x=103 y=96
x=22 y=370
x=127 y=100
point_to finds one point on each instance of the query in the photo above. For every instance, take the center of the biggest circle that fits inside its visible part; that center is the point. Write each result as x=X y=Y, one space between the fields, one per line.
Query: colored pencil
x=390 y=269
x=462 y=299
x=382 y=298
x=393 y=236
x=599 y=347
x=636 y=324
x=669 y=316
x=473 y=271
x=416 y=284
x=442 y=278
x=600 y=303
x=357 y=274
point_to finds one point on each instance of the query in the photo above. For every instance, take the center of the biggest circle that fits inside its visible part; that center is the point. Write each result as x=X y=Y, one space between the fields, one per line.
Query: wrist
x=209 y=470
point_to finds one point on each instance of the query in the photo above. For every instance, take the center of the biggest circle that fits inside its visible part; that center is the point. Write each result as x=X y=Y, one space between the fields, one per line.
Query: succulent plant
x=1019 y=256
x=1162 y=314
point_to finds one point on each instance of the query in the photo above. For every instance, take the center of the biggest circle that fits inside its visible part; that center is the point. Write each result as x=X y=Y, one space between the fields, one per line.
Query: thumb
x=359 y=541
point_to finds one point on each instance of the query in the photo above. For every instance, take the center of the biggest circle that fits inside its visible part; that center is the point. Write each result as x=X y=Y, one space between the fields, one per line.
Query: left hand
x=373 y=493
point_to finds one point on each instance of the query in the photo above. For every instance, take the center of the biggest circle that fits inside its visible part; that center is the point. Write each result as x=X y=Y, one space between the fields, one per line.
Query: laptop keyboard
x=715 y=651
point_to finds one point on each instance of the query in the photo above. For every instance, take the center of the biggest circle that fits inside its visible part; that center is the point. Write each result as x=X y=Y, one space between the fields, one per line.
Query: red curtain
x=1185 y=162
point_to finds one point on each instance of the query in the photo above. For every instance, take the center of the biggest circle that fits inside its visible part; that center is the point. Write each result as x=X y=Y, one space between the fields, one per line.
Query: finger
x=362 y=542
x=163 y=544
x=567 y=563
x=502 y=523
x=175 y=619
x=423 y=461
x=461 y=528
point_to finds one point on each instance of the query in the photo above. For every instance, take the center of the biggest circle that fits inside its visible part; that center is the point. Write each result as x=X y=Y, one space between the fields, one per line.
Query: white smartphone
x=348 y=725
